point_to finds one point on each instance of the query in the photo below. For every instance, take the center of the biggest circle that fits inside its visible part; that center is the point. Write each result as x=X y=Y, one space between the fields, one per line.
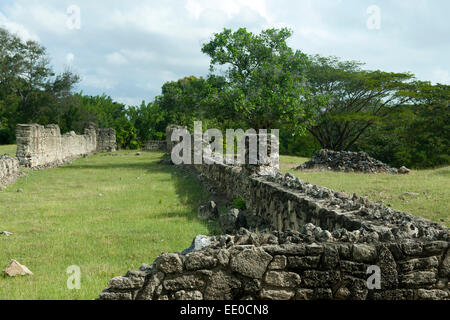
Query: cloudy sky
x=128 y=49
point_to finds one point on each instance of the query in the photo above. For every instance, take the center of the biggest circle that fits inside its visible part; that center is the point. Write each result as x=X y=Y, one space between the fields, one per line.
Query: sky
x=129 y=49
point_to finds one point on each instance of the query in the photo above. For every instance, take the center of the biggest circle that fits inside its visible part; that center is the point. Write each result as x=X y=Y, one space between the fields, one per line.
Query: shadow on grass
x=187 y=186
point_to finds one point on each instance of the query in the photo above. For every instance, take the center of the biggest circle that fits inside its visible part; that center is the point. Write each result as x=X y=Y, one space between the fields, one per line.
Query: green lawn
x=106 y=214
x=422 y=193
x=9 y=149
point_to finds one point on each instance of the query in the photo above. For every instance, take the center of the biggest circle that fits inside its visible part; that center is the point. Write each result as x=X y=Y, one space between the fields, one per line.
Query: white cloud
x=116 y=58
x=16 y=28
x=70 y=58
x=129 y=49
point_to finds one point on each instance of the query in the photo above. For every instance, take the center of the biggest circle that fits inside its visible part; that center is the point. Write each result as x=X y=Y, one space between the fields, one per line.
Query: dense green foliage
x=255 y=81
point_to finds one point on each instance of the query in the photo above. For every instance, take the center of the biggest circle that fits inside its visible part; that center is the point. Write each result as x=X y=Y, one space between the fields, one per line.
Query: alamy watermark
x=374 y=20
x=253 y=147
x=74 y=279
x=73 y=21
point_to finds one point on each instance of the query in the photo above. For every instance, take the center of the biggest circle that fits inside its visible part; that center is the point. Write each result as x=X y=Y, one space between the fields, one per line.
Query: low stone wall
x=41 y=146
x=287 y=203
x=155 y=145
x=9 y=169
x=285 y=266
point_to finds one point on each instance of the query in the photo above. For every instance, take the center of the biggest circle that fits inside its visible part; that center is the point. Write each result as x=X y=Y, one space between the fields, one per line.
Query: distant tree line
x=255 y=81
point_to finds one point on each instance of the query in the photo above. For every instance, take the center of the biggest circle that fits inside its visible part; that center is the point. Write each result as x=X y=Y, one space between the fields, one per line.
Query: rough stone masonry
x=44 y=146
x=39 y=146
x=9 y=169
x=321 y=245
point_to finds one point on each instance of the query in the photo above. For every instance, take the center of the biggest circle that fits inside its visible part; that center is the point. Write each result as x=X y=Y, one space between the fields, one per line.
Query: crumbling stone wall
x=9 y=169
x=40 y=146
x=321 y=246
x=287 y=203
x=155 y=145
x=290 y=266
x=106 y=140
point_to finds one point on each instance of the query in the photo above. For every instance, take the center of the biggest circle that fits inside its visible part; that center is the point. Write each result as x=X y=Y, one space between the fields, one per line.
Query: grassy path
x=106 y=214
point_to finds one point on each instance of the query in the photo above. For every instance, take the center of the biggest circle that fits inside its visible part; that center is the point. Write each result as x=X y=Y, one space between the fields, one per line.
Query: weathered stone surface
x=223 y=257
x=276 y=294
x=188 y=295
x=221 y=286
x=282 y=279
x=304 y=294
x=198 y=260
x=411 y=247
x=251 y=263
x=364 y=253
x=444 y=270
x=419 y=264
x=435 y=247
x=404 y=170
x=169 y=263
x=388 y=266
x=15 y=269
x=342 y=294
x=286 y=249
x=209 y=211
x=228 y=221
x=278 y=263
x=322 y=279
x=148 y=291
x=124 y=283
x=431 y=294
x=398 y=294
x=418 y=278
x=9 y=170
x=184 y=282
x=108 y=295
x=303 y=262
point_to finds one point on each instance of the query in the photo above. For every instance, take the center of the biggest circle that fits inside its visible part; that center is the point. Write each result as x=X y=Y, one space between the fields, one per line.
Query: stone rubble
x=346 y=161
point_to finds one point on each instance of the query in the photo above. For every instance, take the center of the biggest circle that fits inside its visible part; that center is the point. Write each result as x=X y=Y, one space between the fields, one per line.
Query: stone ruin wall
x=106 y=140
x=9 y=170
x=251 y=266
x=289 y=263
x=41 y=146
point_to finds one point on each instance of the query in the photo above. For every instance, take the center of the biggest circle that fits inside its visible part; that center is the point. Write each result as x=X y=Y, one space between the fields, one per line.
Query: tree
x=353 y=99
x=417 y=135
x=264 y=79
x=29 y=90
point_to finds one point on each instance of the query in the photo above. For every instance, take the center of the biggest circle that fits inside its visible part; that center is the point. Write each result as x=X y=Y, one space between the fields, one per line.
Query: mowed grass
x=424 y=193
x=9 y=149
x=107 y=214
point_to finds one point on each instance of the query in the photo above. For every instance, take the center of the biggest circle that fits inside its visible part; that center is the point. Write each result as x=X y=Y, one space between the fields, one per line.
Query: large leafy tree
x=264 y=85
x=355 y=99
x=29 y=89
x=415 y=135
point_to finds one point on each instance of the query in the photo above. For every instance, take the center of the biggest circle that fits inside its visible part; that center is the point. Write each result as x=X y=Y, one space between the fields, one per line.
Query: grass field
x=109 y=213
x=106 y=214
